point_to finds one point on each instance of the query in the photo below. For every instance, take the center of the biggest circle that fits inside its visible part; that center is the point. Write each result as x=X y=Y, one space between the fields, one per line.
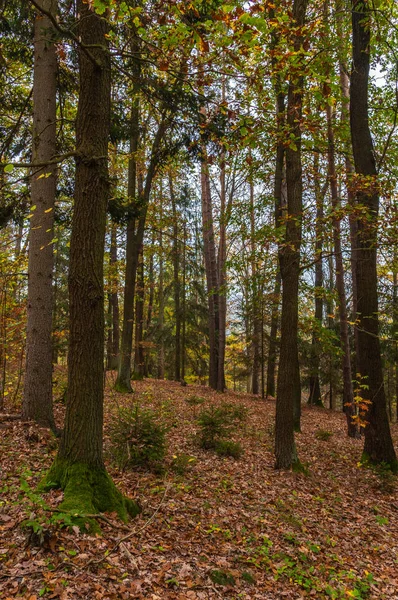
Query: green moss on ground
x=87 y=491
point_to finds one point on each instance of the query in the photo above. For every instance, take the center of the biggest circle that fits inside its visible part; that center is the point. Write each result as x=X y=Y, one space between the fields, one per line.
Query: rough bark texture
x=378 y=443
x=79 y=467
x=288 y=402
x=37 y=398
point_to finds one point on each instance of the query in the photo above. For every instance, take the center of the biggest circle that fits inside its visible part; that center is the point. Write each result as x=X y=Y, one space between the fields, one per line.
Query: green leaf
x=8 y=168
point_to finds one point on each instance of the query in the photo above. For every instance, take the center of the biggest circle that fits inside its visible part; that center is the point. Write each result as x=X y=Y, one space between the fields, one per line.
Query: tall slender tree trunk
x=123 y=382
x=288 y=404
x=139 y=358
x=183 y=307
x=273 y=336
x=255 y=300
x=222 y=280
x=79 y=466
x=348 y=394
x=161 y=309
x=315 y=396
x=378 y=445
x=37 y=397
x=114 y=326
x=176 y=284
x=211 y=272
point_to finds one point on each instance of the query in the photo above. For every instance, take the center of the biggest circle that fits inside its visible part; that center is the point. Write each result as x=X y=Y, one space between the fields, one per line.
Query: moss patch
x=87 y=491
x=122 y=388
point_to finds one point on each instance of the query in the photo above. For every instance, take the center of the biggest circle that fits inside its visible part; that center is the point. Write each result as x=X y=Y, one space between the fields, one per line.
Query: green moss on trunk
x=87 y=491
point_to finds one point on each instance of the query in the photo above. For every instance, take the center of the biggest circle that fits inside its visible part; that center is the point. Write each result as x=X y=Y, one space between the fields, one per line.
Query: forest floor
x=211 y=527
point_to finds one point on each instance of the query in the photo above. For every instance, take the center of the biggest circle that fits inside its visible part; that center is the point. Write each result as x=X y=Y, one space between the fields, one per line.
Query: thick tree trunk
x=37 y=398
x=79 y=467
x=348 y=394
x=378 y=443
x=288 y=404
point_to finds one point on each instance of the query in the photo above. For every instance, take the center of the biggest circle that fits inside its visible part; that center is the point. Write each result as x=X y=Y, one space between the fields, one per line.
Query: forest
x=198 y=299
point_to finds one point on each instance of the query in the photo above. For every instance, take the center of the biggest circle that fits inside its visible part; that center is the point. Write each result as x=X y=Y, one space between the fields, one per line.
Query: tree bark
x=114 y=325
x=79 y=467
x=288 y=404
x=37 y=398
x=378 y=445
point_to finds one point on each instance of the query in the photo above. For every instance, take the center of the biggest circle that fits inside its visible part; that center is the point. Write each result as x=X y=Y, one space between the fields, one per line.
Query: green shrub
x=138 y=439
x=216 y=423
x=228 y=448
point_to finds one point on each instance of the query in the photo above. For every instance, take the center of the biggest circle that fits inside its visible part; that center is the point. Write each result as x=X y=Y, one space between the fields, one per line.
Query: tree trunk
x=378 y=445
x=123 y=381
x=273 y=335
x=288 y=404
x=315 y=397
x=348 y=394
x=211 y=273
x=255 y=303
x=79 y=467
x=176 y=284
x=37 y=398
x=114 y=325
x=222 y=280
x=139 y=359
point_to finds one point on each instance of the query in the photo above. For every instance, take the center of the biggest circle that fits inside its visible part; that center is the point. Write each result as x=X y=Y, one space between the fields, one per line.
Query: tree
x=378 y=445
x=37 y=398
x=79 y=467
x=288 y=386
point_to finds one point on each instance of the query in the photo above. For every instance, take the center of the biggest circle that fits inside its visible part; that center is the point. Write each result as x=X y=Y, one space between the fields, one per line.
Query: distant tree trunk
x=315 y=396
x=222 y=258
x=255 y=300
x=123 y=382
x=139 y=359
x=288 y=404
x=330 y=322
x=183 y=309
x=378 y=445
x=273 y=335
x=176 y=284
x=349 y=168
x=79 y=467
x=211 y=273
x=161 y=306
x=279 y=206
x=114 y=328
x=348 y=394
x=148 y=322
x=37 y=397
